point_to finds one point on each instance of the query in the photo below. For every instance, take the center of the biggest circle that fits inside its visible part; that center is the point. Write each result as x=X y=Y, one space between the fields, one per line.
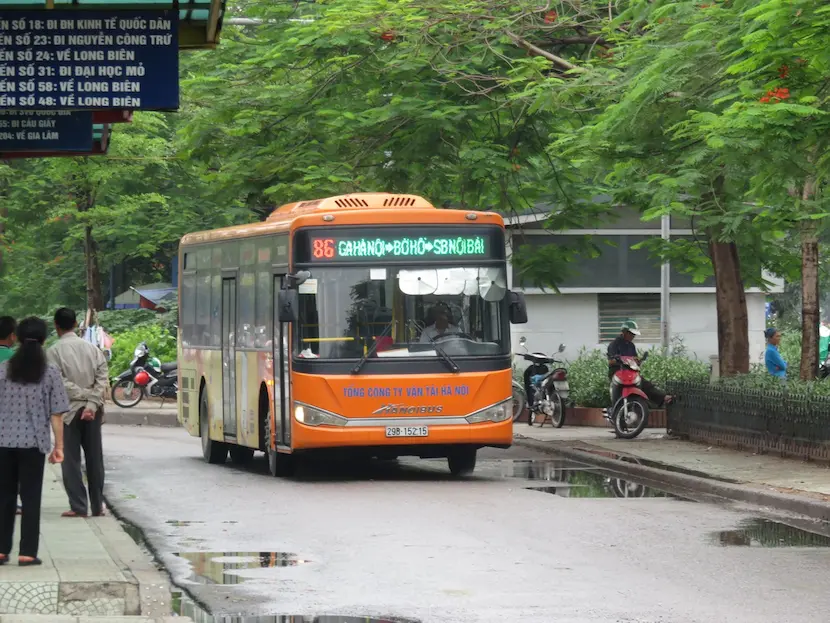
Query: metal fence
x=795 y=425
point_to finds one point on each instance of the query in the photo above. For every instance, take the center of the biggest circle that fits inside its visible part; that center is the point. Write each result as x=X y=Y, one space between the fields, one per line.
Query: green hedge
x=161 y=342
x=589 y=382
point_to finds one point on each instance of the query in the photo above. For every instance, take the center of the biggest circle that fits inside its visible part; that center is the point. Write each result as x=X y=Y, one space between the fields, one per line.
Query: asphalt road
x=406 y=540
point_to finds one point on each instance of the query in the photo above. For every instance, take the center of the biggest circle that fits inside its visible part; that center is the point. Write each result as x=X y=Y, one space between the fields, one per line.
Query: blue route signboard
x=89 y=60
x=45 y=130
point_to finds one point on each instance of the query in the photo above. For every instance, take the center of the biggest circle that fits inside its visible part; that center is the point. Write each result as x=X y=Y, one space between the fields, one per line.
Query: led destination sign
x=398 y=247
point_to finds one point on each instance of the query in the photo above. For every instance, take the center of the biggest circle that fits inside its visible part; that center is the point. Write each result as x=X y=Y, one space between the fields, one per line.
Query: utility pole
x=665 y=287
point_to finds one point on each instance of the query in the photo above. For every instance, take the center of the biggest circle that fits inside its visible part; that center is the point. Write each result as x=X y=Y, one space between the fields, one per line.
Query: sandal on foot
x=73 y=514
x=32 y=562
x=3 y=559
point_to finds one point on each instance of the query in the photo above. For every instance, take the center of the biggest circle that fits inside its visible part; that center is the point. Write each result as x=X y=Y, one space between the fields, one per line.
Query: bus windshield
x=407 y=311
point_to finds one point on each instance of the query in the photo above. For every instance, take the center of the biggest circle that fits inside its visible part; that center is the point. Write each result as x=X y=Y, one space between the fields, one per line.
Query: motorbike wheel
x=519 y=403
x=135 y=394
x=557 y=418
x=621 y=425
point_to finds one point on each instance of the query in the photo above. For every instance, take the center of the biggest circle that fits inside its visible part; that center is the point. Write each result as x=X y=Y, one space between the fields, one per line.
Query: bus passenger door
x=282 y=384
x=229 y=356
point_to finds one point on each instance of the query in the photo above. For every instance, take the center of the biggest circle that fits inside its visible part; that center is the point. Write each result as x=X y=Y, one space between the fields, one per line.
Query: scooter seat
x=169 y=367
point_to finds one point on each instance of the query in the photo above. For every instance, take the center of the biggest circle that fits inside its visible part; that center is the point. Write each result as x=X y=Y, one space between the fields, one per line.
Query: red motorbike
x=629 y=412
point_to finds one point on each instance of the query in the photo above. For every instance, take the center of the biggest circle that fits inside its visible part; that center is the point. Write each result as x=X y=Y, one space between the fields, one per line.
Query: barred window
x=615 y=309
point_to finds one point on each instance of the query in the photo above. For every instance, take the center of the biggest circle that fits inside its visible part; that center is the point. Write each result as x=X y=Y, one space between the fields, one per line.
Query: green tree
x=642 y=146
x=423 y=96
x=69 y=217
x=777 y=118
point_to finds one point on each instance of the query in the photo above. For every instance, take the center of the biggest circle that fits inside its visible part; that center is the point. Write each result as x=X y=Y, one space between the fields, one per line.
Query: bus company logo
x=409 y=410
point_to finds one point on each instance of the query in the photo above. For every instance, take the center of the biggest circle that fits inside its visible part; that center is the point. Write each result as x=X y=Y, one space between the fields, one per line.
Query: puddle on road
x=219 y=567
x=184 y=606
x=571 y=479
x=767 y=533
x=531 y=469
x=627 y=458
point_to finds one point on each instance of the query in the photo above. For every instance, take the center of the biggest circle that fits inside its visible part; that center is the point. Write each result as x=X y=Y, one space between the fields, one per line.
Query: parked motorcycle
x=546 y=388
x=629 y=412
x=146 y=376
x=519 y=400
x=824 y=368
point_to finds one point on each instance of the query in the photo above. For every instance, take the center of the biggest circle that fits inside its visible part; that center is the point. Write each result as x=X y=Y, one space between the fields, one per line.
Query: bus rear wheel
x=214 y=452
x=462 y=461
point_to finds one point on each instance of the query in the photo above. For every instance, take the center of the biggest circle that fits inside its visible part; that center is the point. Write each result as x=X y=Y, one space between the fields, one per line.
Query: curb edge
x=748 y=493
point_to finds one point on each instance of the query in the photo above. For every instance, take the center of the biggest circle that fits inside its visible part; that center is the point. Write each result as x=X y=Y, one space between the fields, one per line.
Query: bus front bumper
x=406 y=436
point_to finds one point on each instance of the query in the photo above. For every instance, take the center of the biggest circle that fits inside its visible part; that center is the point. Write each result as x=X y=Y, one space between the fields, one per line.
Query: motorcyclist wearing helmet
x=623 y=346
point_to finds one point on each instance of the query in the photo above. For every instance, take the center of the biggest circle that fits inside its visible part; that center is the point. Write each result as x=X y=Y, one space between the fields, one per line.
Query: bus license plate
x=407 y=431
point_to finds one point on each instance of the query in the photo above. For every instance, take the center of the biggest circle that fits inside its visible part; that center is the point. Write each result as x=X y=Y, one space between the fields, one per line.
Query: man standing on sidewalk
x=8 y=326
x=85 y=375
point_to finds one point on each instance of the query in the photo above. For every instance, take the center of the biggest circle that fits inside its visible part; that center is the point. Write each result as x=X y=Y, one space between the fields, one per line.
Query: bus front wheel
x=214 y=452
x=462 y=461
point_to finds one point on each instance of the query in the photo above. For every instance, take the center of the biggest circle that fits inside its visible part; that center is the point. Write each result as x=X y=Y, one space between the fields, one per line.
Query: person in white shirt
x=441 y=325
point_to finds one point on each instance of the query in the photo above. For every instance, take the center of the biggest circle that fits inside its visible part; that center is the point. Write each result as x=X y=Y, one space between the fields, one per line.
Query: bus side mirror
x=288 y=302
x=518 y=309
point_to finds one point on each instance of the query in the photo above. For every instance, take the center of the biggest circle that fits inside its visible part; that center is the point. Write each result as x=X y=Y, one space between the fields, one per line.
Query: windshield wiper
x=372 y=349
x=444 y=356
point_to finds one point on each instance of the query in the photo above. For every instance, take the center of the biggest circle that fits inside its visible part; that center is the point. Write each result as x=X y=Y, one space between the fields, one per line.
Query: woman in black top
x=32 y=397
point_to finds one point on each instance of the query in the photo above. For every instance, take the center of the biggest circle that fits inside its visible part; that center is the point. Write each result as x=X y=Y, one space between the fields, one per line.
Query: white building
x=621 y=283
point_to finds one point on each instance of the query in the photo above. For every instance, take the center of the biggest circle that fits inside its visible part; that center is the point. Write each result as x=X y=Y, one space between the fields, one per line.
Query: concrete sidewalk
x=654 y=449
x=145 y=413
x=91 y=568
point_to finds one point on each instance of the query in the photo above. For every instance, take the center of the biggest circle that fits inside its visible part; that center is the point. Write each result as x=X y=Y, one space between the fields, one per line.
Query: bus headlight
x=497 y=413
x=316 y=417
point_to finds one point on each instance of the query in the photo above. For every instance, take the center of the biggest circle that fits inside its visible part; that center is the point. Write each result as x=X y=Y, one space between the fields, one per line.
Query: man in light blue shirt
x=776 y=365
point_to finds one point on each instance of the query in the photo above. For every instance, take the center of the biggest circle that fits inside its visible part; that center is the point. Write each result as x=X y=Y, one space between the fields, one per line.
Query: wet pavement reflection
x=768 y=533
x=184 y=606
x=627 y=458
x=219 y=567
x=570 y=479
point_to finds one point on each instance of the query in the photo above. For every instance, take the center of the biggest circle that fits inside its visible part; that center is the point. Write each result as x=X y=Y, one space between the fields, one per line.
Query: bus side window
x=188 y=305
x=263 y=315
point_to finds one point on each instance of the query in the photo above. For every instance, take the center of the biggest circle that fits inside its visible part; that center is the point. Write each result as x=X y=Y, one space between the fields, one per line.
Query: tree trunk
x=94 y=295
x=730 y=296
x=809 y=300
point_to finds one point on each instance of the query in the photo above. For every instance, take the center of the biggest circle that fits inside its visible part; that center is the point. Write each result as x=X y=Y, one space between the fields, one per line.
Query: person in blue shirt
x=776 y=365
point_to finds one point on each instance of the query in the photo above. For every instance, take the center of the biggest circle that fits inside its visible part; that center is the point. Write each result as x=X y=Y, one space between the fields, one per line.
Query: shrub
x=589 y=383
x=662 y=368
x=120 y=320
x=760 y=380
x=161 y=342
x=588 y=379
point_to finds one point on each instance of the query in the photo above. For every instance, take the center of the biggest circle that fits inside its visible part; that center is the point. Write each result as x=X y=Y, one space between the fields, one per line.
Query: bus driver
x=441 y=324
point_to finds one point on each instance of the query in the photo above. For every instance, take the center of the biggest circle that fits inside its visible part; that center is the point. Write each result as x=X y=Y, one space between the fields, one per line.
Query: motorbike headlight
x=615 y=380
x=497 y=413
x=316 y=417
x=637 y=380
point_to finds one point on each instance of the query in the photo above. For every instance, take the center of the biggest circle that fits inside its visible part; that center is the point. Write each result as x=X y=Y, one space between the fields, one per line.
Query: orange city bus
x=369 y=323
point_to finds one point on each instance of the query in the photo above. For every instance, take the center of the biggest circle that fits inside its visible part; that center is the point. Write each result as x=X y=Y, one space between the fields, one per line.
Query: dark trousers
x=87 y=436
x=21 y=470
